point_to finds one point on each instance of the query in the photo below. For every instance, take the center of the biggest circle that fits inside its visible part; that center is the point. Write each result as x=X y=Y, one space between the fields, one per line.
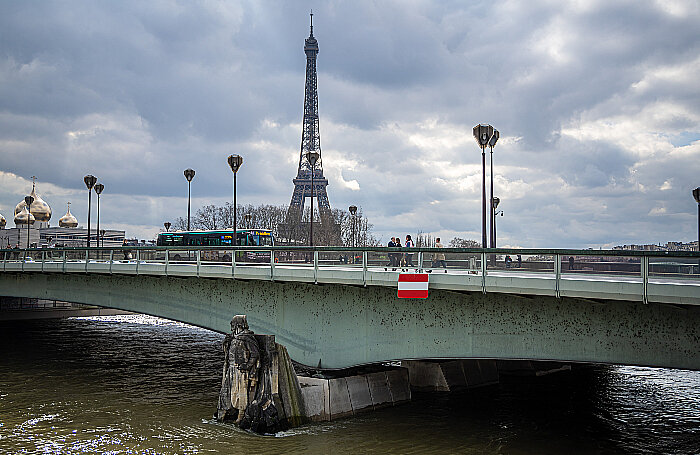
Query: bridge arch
x=344 y=325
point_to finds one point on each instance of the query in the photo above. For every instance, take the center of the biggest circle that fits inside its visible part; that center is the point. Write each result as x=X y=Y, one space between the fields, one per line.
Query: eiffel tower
x=310 y=141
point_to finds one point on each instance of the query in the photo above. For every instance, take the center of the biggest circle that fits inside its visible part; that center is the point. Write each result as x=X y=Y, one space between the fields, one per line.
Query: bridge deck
x=677 y=290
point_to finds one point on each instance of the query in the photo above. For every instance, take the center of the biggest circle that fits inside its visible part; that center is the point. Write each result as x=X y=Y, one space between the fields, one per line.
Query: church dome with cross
x=40 y=210
x=68 y=220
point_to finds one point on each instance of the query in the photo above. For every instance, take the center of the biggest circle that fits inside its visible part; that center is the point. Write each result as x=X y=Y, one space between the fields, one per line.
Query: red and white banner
x=413 y=286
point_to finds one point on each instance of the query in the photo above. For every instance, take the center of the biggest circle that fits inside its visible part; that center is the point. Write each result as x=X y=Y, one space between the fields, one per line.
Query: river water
x=142 y=385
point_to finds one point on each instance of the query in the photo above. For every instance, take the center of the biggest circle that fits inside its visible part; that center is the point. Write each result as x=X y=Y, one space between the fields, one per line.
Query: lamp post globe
x=90 y=181
x=312 y=157
x=167 y=225
x=235 y=162
x=99 y=188
x=189 y=175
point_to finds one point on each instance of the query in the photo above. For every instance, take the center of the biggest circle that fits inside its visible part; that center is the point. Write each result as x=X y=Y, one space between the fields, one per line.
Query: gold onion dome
x=24 y=217
x=68 y=220
x=40 y=209
x=3 y=221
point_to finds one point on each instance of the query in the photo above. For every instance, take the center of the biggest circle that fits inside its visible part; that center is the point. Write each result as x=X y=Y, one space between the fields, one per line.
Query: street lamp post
x=494 y=205
x=98 y=189
x=492 y=143
x=696 y=195
x=353 y=211
x=102 y=236
x=235 y=162
x=189 y=175
x=312 y=157
x=167 y=225
x=90 y=181
x=500 y=212
x=482 y=134
x=28 y=200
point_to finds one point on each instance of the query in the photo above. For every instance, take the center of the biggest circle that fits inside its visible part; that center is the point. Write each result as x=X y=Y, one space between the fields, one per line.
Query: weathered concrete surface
x=343 y=325
x=330 y=399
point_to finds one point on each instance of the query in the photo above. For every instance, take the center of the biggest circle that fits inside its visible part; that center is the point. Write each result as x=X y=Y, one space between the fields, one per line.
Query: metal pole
x=311 y=229
x=98 y=220
x=492 y=216
x=235 y=234
x=189 y=193
x=698 y=226
x=493 y=245
x=483 y=197
x=89 y=205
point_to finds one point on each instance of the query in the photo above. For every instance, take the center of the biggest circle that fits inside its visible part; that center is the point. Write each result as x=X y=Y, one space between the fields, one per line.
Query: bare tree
x=458 y=242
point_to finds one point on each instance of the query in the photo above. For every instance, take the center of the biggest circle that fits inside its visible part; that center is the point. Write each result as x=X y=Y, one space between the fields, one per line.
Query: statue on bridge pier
x=247 y=396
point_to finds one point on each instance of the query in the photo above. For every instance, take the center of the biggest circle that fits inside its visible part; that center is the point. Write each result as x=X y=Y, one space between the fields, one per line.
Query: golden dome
x=40 y=209
x=68 y=220
x=3 y=221
x=24 y=217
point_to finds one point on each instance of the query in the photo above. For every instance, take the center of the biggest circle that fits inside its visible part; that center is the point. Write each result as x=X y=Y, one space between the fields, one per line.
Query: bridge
x=338 y=307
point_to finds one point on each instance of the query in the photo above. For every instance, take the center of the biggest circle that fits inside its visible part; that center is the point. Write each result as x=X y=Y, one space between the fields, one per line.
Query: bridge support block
x=330 y=399
x=458 y=375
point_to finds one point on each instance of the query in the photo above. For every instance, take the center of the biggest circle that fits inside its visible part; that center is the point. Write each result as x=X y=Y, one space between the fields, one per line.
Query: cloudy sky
x=597 y=102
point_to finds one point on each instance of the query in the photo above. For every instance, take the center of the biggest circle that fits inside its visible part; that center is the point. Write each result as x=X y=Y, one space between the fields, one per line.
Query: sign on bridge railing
x=413 y=286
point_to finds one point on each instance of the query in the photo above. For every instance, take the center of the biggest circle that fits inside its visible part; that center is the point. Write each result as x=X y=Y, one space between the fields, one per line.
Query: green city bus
x=224 y=237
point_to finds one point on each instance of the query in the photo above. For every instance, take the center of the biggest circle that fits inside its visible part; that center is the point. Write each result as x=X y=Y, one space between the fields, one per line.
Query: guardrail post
x=315 y=267
x=233 y=264
x=138 y=259
x=483 y=272
x=420 y=261
x=364 y=268
x=199 y=261
x=87 y=259
x=4 y=261
x=645 y=279
x=272 y=265
x=167 y=261
x=557 y=276
x=111 y=260
x=43 y=259
x=65 y=257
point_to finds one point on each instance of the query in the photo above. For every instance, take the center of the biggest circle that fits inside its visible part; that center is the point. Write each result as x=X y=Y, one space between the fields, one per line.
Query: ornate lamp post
x=167 y=225
x=492 y=143
x=247 y=217
x=696 y=195
x=99 y=188
x=353 y=211
x=28 y=200
x=312 y=157
x=90 y=181
x=189 y=175
x=235 y=162
x=482 y=134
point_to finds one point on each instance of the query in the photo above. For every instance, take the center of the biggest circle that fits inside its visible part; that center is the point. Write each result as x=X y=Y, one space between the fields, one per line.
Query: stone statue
x=241 y=371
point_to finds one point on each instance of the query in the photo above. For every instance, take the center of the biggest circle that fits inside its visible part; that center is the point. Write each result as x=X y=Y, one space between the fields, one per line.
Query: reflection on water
x=137 y=384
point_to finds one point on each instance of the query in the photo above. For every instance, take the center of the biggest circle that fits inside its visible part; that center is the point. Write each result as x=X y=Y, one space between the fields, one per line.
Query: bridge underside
x=342 y=326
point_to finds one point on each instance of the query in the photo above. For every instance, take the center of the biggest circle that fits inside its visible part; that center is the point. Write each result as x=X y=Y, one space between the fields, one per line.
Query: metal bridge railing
x=477 y=265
